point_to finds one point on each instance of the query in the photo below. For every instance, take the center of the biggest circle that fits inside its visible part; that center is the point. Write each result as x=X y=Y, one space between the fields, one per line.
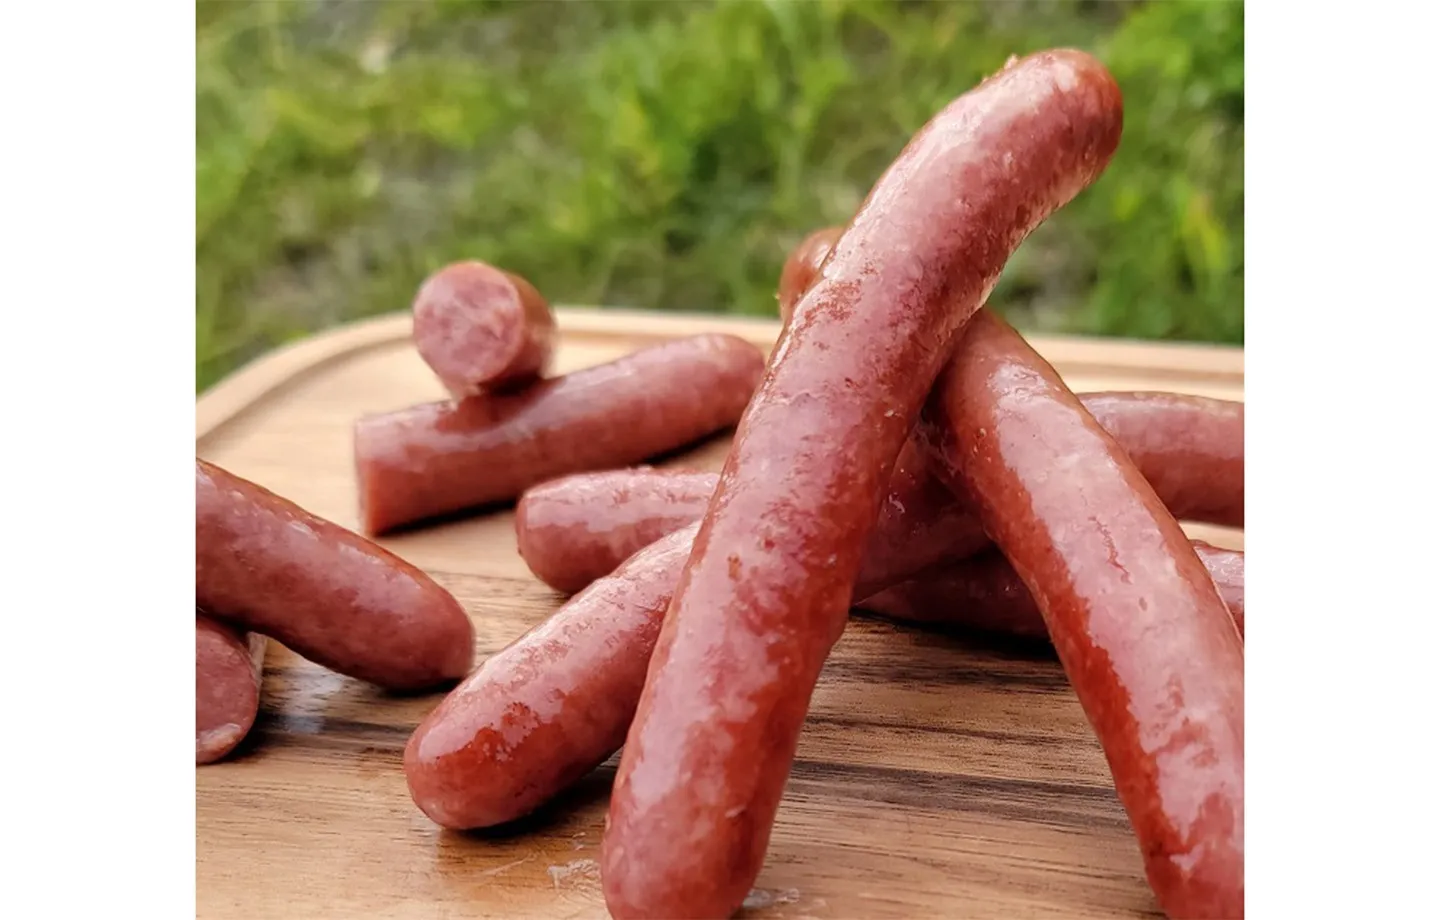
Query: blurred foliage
x=668 y=155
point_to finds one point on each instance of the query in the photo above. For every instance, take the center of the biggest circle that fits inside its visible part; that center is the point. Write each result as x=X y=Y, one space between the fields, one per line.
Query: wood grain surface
x=939 y=774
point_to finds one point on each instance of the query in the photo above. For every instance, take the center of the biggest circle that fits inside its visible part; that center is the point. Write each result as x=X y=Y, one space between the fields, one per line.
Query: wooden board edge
x=252 y=382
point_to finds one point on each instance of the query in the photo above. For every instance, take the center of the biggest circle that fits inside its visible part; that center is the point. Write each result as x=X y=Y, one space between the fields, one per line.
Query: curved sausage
x=803 y=265
x=269 y=566
x=551 y=706
x=482 y=328
x=577 y=528
x=767 y=588
x=441 y=458
x=1140 y=629
x=984 y=593
x=228 y=664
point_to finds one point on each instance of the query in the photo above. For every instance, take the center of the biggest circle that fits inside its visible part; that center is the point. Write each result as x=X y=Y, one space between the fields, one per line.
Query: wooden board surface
x=937 y=776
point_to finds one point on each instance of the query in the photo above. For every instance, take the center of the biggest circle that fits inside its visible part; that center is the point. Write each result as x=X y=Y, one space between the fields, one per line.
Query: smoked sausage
x=267 y=565
x=446 y=457
x=1139 y=627
x=577 y=528
x=984 y=593
x=803 y=265
x=482 y=328
x=549 y=708
x=228 y=664
x=767 y=588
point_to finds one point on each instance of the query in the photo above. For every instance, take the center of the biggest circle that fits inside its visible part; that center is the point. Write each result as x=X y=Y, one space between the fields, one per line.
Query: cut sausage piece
x=482 y=328
x=1138 y=625
x=228 y=664
x=446 y=457
x=768 y=585
x=269 y=566
x=1191 y=449
x=984 y=593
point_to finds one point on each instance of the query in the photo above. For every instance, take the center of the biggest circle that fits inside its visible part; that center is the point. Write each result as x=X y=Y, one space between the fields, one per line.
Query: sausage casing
x=269 y=566
x=1139 y=627
x=984 y=593
x=1191 y=449
x=446 y=457
x=767 y=588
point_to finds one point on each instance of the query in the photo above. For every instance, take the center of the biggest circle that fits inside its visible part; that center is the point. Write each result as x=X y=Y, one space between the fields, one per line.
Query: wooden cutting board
x=938 y=775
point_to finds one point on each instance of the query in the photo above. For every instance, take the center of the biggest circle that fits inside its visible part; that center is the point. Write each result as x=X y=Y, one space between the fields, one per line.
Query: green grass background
x=668 y=155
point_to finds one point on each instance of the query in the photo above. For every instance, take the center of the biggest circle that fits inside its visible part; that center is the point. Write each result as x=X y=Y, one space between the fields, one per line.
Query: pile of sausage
x=903 y=450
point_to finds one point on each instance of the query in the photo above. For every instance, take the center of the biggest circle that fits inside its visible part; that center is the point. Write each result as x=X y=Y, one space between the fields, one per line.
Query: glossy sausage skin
x=1139 y=627
x=1190 y=448
x=803 y=266
x=984 y=593
x=767 y=589
x=578 y=528
x=543 y=712
x=267 y=565
x=550 y=707
x=228 y=664
x=446 y=457
x=482 y=328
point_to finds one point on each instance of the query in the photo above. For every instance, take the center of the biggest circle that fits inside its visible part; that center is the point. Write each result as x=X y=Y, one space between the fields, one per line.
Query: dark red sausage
x=803 y=265
x=1190 y=448
x=578 y=528
x=227 y=686
x=269 y=566
x=1143 y=635
x=482 y=328
x=767 y=588
x=445 y=457
x=985 y=593
x=550 y=707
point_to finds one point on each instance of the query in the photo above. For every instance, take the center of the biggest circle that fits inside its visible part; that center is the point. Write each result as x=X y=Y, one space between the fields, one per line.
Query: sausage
x=803 y=265
x=1190 y=448
x=984 y=593
x=479 y=327
x=767 y=588
x=1139 y=627
x=575 y=529
x=228 y=664
x=446 y=457
x=544 y=711
x=550 y=707
x=267 y=565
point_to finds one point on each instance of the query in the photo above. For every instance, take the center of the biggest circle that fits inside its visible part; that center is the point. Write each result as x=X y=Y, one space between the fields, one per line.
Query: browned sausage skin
x=577 y=528
x=482 y=328
x=551 y=706
x=267 y=565
x=984 y=593
x=1137 y=623
x=446 y=457
x=767 y=588
x=803 y=265
x=228 y=664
